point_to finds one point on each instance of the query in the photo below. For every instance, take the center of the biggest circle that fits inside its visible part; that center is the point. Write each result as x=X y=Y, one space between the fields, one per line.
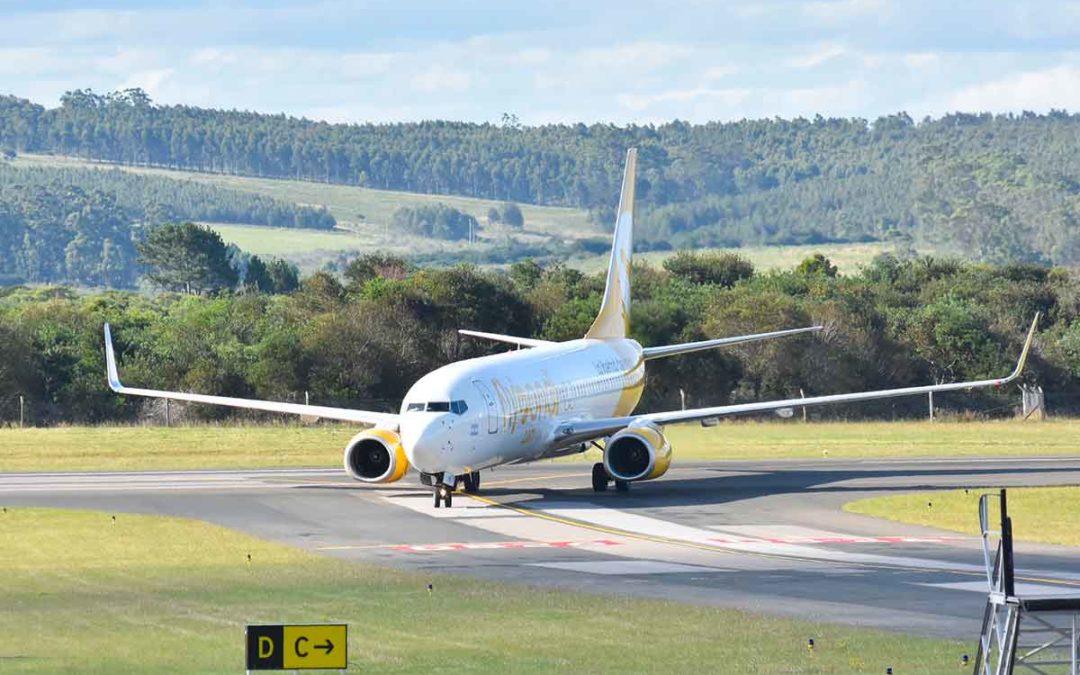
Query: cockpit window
x=457 y=407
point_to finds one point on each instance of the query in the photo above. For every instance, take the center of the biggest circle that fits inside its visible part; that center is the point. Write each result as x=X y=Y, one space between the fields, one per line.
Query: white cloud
x=833 y=11
x=440 y=78
x=720 y=72
x=728 y=97
x=637 y=57
x=921 y=59
x=1039 y=91
x=150 y=81
x=818 y=56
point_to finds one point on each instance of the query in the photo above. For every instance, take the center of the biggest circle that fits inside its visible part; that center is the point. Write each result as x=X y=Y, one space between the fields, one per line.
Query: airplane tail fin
x=613 y=321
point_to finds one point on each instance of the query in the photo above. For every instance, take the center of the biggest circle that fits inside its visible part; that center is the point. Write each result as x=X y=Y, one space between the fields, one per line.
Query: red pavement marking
x=499 y=545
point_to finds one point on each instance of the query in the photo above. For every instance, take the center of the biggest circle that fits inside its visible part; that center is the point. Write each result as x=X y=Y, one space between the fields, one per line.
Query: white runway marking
x=1022 y=589
x=623 y=567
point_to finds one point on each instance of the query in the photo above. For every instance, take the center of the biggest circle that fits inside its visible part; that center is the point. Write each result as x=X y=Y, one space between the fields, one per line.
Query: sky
x=558 y=61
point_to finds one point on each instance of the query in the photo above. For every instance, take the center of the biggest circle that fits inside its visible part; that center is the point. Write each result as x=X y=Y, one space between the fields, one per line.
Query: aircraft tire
x=471 y=482
x=599 y=478
x=622 y=486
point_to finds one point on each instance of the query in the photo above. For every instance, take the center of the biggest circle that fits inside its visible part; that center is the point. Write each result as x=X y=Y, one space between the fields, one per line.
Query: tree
x=284 y=276
x=376 y=265
x=510 y=214
x=816 y=265
x=722 y=269
x=187 y=257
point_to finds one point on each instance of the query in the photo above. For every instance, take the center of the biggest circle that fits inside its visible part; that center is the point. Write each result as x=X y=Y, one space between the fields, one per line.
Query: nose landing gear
x=444 y=491
x=443 y=494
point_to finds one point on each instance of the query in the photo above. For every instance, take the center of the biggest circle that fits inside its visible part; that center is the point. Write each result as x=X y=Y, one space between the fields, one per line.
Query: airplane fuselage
x=504 y=408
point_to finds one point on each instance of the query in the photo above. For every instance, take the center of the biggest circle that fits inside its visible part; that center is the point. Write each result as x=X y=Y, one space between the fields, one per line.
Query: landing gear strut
x=471 y=482
x=443 y=494
x=599 y=478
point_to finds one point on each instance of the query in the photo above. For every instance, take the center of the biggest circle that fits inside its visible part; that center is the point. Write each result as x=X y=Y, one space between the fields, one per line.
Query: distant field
x=1048 y=515
x=363 y=209
x=87 y=593
x=847 y=257
x=128 y=448
x=363 y=215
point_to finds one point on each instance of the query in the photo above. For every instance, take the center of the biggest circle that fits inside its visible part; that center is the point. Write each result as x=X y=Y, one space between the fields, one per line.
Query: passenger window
x=438 y=406
x=458 y=407
x=415 y=407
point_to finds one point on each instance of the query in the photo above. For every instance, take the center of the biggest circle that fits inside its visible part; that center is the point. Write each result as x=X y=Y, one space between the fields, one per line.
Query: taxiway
x=762 y=536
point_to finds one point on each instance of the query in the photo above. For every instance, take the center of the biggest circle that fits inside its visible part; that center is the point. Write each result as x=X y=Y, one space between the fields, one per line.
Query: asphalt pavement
x=762 y=536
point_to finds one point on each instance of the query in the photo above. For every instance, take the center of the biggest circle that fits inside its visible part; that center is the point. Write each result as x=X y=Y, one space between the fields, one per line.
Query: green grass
x=1048 y=515
x=847 y=257
x=128 y=448
x=83 y=593
x=363 y=209
x=364 y=214
x=873 y=440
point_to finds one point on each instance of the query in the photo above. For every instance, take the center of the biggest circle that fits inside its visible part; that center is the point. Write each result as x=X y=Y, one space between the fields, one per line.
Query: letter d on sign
x=264 y=647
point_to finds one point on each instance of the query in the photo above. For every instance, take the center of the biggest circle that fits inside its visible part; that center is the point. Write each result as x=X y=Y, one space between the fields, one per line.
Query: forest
x=986 y=187
x=80 y=226
x=362 y=339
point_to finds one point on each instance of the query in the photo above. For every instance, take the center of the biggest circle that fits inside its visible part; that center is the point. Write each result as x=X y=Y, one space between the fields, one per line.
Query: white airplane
x=548 y=400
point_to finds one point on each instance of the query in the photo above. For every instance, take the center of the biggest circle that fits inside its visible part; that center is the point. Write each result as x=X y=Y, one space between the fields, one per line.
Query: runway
x=762 y=536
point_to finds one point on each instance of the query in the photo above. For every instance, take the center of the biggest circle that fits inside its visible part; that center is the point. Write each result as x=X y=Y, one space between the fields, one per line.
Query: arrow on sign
x=327 y=647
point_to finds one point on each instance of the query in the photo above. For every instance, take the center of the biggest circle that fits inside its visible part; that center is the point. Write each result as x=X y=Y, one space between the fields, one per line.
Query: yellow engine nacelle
x=376 y=456
x=637 y=453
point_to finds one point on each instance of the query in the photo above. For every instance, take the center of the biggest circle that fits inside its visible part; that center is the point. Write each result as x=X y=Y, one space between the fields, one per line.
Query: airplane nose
x=423 y=441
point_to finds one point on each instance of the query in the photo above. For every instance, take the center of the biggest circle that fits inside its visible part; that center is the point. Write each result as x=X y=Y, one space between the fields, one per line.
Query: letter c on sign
x=266 y=647
x=296 y=646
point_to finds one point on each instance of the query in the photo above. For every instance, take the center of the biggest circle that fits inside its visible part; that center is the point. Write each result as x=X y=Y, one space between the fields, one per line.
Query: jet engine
x=637 y=453
x=376 y=456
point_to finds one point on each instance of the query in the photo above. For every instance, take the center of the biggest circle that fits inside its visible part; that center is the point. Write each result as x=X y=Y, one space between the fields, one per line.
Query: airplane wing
x=576 y=432
x=521 y=342
x=687 y=347
x=386 y=420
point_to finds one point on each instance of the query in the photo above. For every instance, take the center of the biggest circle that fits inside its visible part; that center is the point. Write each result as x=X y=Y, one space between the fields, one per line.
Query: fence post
x=168 y=414
x=930 y=394
x=22 y=410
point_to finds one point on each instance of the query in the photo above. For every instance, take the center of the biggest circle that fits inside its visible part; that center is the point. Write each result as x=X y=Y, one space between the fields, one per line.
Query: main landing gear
x=600 y=480
x=444 y=492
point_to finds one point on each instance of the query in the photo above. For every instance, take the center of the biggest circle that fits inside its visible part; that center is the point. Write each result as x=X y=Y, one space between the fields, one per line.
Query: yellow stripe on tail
x=613 y=321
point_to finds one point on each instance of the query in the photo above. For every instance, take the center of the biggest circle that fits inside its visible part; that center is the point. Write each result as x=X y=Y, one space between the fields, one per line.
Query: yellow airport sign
x=298 y=647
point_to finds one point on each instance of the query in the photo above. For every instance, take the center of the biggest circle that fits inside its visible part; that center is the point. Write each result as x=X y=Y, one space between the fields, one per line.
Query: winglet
x=110 y=362
x=1027 y=347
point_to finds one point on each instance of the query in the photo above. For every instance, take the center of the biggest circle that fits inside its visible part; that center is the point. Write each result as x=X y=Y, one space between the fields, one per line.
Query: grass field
x=363 y=215
x=1048 y=515
x=358 y=208
x=847 y=257
x=84 y=593
x=126 y=448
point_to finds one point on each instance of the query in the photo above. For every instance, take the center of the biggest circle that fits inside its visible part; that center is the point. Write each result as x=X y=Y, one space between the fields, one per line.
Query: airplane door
x=492 y=405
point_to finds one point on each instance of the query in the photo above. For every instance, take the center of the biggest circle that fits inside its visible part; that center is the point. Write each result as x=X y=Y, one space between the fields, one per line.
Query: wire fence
x=1031 y=403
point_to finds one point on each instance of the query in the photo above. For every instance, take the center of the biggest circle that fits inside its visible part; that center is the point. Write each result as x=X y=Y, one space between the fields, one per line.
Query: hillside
x=993 y=188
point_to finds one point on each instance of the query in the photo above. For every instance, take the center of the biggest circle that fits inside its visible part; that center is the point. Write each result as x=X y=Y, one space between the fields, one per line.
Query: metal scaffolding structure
x=1040 y=635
